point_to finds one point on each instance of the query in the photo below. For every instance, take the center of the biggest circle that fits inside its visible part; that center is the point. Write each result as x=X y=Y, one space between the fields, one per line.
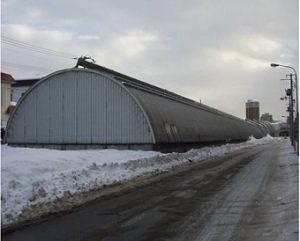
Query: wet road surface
x=251 y=194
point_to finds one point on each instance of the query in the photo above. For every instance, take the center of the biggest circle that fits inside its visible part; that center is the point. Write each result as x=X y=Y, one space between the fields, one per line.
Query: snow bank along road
x=40 y=181
x=250 y=194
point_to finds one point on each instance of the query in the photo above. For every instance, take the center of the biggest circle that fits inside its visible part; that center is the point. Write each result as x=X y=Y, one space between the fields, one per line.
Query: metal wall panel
x=56 y=108
x=134 y=118
x=193 y=124
x=113 y=113
x=83 y=109
x=31 y=118
x=17 y=134
x=70 y=104
x=98 y=109
x=42 y=127
x=79 y=106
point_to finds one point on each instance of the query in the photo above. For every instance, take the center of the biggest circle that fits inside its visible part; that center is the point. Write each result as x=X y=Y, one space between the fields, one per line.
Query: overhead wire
x=24 y=46
x=34 y=48
x=44 y=58
x=24 y=66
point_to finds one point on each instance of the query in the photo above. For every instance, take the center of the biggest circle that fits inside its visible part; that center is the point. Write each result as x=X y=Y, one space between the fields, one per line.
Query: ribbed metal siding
x=43 y=130
x=83 y=110
x=56 y=119
x=99 y=109
x=30 y=118
x=193 y=124
x=18 y=133
x=79 y=106
x=113 y=100
x=70 y=113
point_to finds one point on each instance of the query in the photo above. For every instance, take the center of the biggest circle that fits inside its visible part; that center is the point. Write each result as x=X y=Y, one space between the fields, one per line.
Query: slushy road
x=251 y=194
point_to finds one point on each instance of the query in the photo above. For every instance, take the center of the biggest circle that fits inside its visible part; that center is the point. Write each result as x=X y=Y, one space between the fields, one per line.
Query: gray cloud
x=216 y=51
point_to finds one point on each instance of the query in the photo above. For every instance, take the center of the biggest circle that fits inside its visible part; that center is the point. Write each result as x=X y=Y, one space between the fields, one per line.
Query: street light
x=274 y=65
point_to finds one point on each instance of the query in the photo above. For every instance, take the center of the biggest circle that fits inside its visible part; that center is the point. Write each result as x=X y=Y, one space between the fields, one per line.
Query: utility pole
x=295 y=126
x=291 y=109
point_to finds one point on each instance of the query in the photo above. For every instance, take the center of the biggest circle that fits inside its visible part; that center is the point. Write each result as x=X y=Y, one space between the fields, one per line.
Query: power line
x=31 y=46
x=24 y=66
x=34 y=48
x=32 y=54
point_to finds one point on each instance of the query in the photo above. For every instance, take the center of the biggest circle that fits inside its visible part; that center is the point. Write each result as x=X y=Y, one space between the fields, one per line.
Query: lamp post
x=296 y=82
x=274 y=65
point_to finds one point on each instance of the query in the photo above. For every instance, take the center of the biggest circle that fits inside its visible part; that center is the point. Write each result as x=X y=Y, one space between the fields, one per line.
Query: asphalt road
x=247 y=195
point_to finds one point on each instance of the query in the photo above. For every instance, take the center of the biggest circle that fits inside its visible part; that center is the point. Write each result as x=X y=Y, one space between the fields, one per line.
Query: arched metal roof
x=170 y=118
x=175 y=118
x=79 y=106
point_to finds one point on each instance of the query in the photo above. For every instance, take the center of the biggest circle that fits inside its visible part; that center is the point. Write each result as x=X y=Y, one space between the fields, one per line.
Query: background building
x=266 y=117
x=21 y=86
x=252 y=110
x=6 y=81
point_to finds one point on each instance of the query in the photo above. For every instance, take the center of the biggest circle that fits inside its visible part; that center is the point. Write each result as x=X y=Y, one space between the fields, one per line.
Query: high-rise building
x=252 y=110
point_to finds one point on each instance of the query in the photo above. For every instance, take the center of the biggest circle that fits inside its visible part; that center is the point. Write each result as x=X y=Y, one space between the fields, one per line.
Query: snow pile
x=264 y=140
x=31 y=177
x=205 y=152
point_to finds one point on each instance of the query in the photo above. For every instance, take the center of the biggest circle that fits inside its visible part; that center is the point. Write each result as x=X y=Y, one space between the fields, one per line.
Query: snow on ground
x=40 y=176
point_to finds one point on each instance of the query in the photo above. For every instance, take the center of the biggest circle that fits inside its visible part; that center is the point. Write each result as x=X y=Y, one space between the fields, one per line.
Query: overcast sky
x=216 y=51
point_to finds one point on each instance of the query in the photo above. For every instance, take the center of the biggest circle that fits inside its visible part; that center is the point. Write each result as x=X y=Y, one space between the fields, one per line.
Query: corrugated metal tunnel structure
x=95 y=107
